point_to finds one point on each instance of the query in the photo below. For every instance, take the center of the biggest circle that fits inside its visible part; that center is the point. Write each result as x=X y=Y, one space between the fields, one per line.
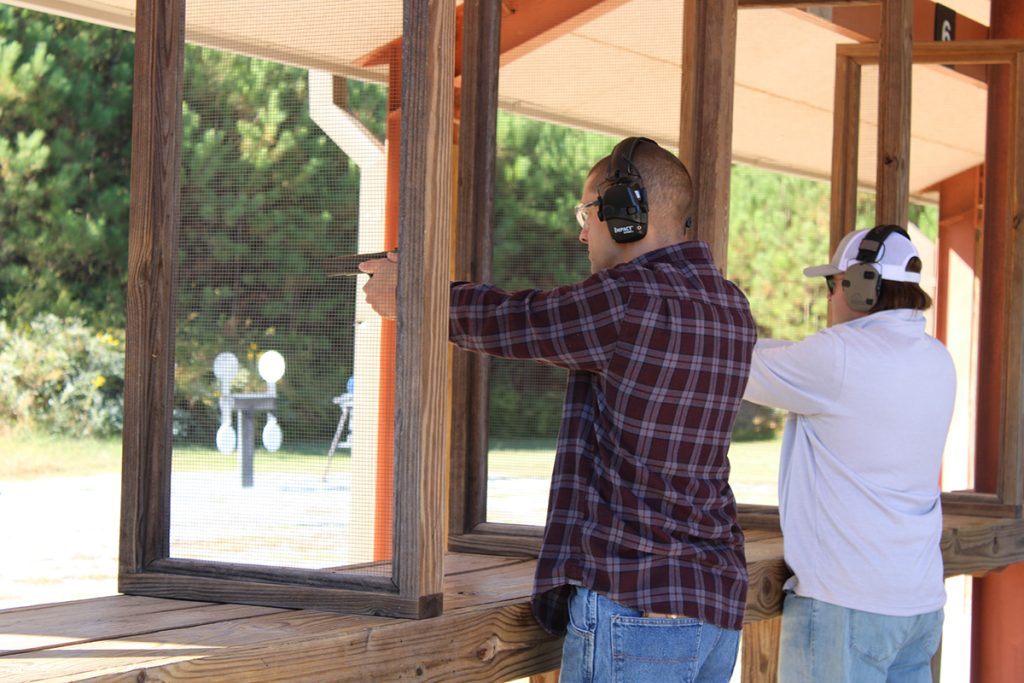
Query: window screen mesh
x=282 y=374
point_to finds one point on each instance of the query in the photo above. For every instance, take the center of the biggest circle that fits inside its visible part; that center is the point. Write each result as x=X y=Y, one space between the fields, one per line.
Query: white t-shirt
x=870 y=403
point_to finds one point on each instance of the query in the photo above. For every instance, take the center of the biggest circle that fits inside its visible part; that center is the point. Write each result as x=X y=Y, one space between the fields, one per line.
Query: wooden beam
x=705 y=127
x=760 y=660
x=894 y=87
x=972 y=545
x=785 y=4
x=1010 y=481
x=526 y=25
x=845 y=145
x=152 y=243
x=477 y=149
x=956 y=52
x=530 y=24
x=421 y=378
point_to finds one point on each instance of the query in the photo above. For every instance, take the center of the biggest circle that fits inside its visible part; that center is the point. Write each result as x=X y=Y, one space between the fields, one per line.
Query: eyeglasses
x=830 y=282
x=582 y=213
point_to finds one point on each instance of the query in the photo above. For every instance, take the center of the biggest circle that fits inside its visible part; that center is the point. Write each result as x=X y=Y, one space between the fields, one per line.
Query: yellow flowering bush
x=60 y=376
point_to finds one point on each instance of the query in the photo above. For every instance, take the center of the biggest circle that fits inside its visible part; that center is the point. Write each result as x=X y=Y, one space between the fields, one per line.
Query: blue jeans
x=824 y=642
x=610 y=643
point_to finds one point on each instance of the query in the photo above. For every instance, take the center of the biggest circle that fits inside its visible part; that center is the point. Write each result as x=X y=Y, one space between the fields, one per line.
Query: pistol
x=342 y=266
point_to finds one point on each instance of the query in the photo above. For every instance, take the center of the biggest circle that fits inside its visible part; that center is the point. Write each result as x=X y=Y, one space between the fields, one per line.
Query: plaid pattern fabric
x=658 y=352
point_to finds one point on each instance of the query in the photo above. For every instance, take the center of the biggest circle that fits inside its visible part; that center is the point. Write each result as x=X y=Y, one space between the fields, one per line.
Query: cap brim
x=818 y=271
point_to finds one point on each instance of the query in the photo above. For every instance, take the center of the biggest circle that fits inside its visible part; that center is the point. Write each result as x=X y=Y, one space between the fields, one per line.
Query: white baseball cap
x=893 y=256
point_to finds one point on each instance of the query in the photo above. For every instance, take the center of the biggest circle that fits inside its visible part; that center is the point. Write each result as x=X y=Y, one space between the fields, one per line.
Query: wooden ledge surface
x=487 y=632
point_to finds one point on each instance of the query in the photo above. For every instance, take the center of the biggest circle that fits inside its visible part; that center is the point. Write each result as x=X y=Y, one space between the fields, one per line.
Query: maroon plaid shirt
x=658 y=352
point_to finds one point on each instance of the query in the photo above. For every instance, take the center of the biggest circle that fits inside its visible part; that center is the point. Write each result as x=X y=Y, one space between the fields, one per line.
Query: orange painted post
x=383 y=517
x=997 y=652
x=959 y=223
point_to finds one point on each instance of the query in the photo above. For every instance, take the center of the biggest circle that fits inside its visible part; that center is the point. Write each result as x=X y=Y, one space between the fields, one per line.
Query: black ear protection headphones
x=862 y=281
x=622 y=203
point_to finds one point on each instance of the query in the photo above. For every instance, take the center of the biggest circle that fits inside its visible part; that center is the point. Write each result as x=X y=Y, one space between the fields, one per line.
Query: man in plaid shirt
x=642 y=563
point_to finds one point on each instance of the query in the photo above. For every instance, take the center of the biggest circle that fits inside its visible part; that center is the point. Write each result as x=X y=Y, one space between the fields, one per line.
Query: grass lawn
x=31 y=456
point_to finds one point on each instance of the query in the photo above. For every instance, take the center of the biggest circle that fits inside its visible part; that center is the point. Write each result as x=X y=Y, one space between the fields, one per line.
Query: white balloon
x=272 y=436
x=271 y=366
x=226 y=439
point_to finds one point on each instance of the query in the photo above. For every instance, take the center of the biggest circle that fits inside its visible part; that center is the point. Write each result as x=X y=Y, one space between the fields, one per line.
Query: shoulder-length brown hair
x=895 y=295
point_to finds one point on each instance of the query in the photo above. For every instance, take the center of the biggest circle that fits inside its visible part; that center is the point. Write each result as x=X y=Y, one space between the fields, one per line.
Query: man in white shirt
x=870 y=401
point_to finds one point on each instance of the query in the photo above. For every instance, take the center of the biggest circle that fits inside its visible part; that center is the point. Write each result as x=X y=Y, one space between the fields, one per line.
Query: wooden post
x=760 y=660
x=422 y=362
x=477 y=148
x=845 y=140
x=894 y=84
x=705 y=121
x=152 y=240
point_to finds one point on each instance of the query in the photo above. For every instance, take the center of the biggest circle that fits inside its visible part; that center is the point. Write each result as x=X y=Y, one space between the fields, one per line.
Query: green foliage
x=61 y=376
x=778 y=225
x=540 y=172
x=65 y=127
x=266 y=197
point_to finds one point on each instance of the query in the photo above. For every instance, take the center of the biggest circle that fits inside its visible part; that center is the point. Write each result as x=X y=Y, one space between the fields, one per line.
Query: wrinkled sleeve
x=804 y=377
x=574 y=327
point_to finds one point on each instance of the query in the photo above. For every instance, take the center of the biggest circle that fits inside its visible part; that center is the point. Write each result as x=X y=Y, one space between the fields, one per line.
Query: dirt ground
x=58 y=539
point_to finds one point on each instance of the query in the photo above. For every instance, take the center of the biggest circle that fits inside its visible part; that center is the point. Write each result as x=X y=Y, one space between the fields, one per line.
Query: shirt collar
x=895 y=316
x=693 y=251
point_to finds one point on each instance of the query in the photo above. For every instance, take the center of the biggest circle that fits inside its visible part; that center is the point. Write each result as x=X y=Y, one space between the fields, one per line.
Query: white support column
x=370 y=155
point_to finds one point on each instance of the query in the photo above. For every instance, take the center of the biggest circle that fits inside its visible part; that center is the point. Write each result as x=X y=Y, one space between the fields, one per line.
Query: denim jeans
x=610 y=643
x=824 y=642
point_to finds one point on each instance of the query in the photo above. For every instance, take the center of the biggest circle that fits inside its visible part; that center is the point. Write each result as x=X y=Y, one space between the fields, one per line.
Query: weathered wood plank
x=549 y=677
x=845 y=141
x=705 y=126
x=892 y=183
x=477 y=149
x=55 y=628
x=154 y=648
x=956 y=52
x=760 y=659
x=512 y=582
x=421 y=378
x=974 y=504
x=152 y=243
x=480 y=645
x=288 y=595
x=978 y=545
x=465 y=563
x=1009 y=482
x=767 y=572
x=504 y=544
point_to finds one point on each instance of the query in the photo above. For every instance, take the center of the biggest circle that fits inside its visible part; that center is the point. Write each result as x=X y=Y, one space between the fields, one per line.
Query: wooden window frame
x=1006 y=501
x=706 y=107
x=414 y=587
